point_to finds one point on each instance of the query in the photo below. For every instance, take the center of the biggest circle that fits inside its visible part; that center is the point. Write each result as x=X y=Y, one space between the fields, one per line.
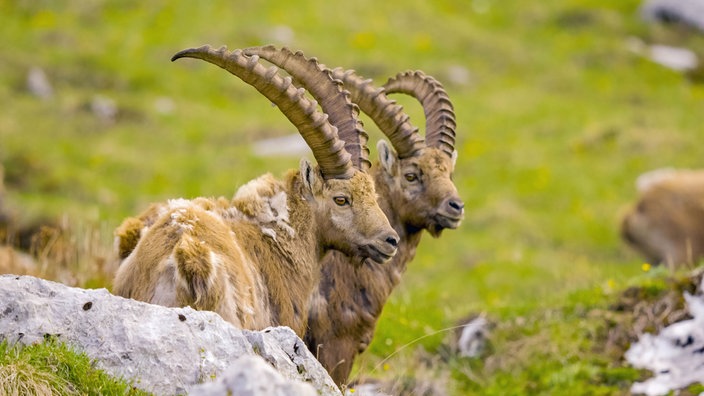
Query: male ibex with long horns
x=255 y=259
x=416 y=193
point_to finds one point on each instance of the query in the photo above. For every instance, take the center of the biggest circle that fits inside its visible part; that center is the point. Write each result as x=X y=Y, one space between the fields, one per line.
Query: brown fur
x=253 y=259
x=349 y=300
x=15 y=262
x=667 y=223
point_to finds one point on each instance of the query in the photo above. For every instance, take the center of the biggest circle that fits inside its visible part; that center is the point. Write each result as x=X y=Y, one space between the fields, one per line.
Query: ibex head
x=418 y=174
x=426 y=175
x=424 y=195
x=339 y=191
x=348 y=216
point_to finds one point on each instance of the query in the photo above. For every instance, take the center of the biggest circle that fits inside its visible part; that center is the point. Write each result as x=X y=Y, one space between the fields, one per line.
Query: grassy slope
x=54 y=369
x=557 y=120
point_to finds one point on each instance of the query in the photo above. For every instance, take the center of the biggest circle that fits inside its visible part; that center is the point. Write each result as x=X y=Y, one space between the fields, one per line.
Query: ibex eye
x=341 y=201
x=411 y=177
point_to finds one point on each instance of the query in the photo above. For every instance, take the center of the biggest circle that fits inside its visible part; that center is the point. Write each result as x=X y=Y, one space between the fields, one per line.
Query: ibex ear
x=387 y=157
x=311 y=178
x=454 y=158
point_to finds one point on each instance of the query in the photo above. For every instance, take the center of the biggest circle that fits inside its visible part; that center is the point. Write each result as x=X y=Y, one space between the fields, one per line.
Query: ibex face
x=646 y=234
x=348 y=216
x=421 y=188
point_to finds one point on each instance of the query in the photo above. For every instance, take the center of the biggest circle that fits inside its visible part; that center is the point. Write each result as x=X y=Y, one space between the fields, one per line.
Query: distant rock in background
x=675 y=58
x=161 y=350
x=474 y=338
x=104 y=108
x=675 y=355
x=282 y=34
x=292 y=145
x=680 y=59
x=458 y=75
x=38 y=83
x=688 y=12
x=164 y=105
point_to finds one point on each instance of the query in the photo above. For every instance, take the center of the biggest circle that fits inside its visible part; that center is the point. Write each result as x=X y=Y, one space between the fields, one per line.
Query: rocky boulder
x=159 y=349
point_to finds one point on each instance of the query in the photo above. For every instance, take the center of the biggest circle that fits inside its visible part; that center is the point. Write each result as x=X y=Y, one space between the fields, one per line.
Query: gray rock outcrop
x=250 y=376
x=158 y=349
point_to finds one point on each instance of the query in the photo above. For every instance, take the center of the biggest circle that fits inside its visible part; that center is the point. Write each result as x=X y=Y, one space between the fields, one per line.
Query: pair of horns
x=339 y=143
x=389 y=116
x=440 y=120
x=335 y=137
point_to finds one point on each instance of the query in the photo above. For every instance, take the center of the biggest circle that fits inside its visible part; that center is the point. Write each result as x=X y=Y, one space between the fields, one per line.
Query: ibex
x=666 y=224
x=416 y=193
x=255 y=259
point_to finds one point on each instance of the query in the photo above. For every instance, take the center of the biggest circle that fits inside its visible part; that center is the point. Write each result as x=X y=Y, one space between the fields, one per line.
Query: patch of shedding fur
x=245 y=307
x=178 y=219
x=171 y=265
x=179 y=207
x=216 y=263
x=165 y=290
x=264 y=201
x=269 y=232
x=280 y=209
x=232 y=213
x=233 y=304
x=176 y=203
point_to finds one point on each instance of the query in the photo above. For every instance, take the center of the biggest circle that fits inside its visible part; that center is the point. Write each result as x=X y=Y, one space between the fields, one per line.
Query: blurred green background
x=557 y=115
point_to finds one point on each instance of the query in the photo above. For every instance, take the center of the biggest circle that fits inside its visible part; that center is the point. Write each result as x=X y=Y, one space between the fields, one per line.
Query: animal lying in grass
x=255 y=259
x=666 y=224
x=416 y=192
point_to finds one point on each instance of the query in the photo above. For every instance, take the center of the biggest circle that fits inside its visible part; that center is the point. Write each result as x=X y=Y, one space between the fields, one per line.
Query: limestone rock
x=159 y=349
x=38 y=83
x=249 y=376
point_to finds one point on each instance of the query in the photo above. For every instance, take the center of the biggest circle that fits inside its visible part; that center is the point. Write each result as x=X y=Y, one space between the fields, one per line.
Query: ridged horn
x=440 y=120
x=329 y=151
x=333 y=99
x=385 y=113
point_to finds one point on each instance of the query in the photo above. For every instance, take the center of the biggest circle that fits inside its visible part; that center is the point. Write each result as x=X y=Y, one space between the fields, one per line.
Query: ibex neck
x=409 y=236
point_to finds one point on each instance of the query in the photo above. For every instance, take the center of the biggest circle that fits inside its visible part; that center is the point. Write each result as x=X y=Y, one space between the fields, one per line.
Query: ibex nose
x=456 y=206
x=392 y=240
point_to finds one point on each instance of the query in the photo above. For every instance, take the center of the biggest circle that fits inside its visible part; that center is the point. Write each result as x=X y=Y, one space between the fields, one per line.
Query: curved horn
x=440 y=120
x=334 y=101
x=328 y=149
x=385 y=113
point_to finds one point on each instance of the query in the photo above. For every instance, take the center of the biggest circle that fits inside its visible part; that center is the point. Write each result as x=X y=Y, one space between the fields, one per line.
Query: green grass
x=54 y=368
x=555 y=122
